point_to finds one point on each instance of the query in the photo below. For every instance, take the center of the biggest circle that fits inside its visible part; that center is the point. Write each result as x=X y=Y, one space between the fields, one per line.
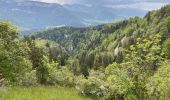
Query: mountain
x=124 y=60
x=103 y=43
x=36 y=15
x=33 y=15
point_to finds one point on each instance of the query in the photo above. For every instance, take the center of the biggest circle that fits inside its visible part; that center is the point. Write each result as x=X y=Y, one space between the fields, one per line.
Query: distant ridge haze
x=40 y=14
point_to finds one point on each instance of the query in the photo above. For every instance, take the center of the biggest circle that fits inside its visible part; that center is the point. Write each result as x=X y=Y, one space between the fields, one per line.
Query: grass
x=41 y=93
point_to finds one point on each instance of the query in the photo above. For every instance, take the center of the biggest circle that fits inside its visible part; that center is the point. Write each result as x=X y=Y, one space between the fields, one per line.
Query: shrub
x=120 y=83
x=94 y=86
x=158 y=85
x=3 y=83
x=28 y=79
x=4 y=86
x=62 y=77
x=166 y=48
x=13 y=53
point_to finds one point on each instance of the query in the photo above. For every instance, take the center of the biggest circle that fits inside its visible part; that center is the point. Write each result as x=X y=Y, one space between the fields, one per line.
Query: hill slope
x=103 y=43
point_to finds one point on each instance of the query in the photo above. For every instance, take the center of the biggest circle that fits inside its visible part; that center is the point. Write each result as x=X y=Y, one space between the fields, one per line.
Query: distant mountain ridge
x=33 y=15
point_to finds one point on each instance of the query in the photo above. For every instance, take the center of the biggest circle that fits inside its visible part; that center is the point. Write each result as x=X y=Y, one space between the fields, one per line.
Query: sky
x=102 y=1
x=143 y=4
x=59 y=1
x=139 y=4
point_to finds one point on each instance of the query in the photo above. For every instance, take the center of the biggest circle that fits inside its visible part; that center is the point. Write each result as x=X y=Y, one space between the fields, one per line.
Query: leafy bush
x=61 y=76
x=3 y=83
x=127 y=80
x=28 y=79
x=166 y=48
x=121 y=84
x=93 y=86
x=13 y=53
x=158 y=85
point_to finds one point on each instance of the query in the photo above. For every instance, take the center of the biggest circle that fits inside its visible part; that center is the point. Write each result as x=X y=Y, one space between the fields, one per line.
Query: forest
x=124 y=60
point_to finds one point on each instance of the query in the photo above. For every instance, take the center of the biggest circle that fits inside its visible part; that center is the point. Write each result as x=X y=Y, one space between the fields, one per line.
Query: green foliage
x=130 y=51
x=39 y=58
x=42 y=70
x=166 y=48
x=44 y=56
x=129 y=31
x=158 y=85
x=3 y=82
x=13 y=53
x=127 y=80
x=28 y=79
x=94 y=86
x=121 y=84
x=145 y=53
x=56 y=52
x=74 y=66
x=99 y=43
x=62 y=77
x=168 y=25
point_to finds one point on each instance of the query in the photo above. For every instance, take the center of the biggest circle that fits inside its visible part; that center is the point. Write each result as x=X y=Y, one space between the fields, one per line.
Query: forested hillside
x=101 y=45
x=126 y=60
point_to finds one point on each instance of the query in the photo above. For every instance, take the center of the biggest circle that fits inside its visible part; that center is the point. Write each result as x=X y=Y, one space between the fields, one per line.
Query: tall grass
x=41 y=93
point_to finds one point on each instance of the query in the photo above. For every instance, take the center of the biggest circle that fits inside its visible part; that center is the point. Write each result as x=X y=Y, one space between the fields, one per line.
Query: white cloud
x=58 y=1
x=141 y=5
x=148 y=4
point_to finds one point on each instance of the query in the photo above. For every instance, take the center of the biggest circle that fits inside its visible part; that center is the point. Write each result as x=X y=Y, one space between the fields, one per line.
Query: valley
x=127 y=59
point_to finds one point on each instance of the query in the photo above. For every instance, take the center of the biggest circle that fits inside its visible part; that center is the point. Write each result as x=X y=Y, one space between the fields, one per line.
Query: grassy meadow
x=41 y=93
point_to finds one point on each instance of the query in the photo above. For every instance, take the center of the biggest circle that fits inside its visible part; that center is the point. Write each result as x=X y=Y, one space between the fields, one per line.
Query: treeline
x=123 y=60
x=97 y=47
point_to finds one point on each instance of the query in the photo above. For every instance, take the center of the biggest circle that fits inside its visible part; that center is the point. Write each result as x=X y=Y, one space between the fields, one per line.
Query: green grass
x=41 y=93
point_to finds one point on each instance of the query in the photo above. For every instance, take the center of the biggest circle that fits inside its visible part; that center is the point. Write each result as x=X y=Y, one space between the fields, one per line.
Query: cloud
x=140 y=4
x=148 y=6
x=102 y=2
x=58 y=1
